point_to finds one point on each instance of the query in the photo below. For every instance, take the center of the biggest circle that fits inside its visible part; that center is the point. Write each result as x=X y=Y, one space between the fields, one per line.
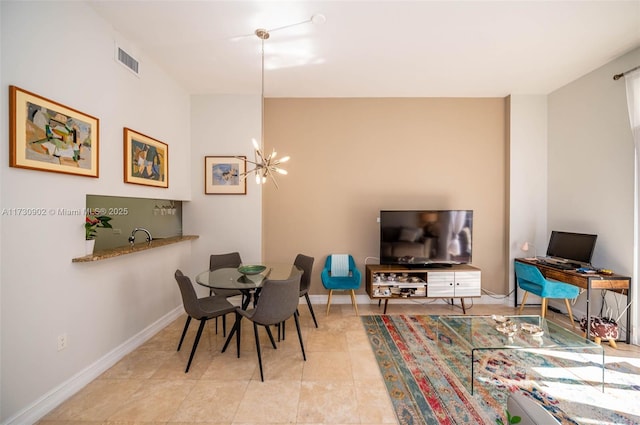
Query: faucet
x=132 y=238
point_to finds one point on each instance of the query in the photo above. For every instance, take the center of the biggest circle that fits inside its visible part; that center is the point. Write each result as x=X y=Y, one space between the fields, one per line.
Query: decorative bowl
x=249 y=270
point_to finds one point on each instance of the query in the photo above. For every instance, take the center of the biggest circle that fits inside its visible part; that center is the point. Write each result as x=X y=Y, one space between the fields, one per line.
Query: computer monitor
x=571 y=246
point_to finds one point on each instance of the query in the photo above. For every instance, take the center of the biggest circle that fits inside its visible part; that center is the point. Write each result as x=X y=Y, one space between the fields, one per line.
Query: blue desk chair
x=530 y=279
x=341 y=274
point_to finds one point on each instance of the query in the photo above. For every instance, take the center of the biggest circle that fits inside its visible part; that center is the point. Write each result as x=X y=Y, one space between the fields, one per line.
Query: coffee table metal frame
x=479 y=334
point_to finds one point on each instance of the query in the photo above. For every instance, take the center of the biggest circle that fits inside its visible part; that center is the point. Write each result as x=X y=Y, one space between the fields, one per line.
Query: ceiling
x=375 y=48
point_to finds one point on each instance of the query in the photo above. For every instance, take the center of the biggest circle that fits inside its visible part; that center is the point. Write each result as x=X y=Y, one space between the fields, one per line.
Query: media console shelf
x=385 y=282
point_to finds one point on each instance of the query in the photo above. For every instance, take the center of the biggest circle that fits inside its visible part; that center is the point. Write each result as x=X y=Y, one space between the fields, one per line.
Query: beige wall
x=353 y=157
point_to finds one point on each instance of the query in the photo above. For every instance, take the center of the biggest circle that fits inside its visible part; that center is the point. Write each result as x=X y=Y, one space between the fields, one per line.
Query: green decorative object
x=510 y=419
x=249 y=270
x=93 y=222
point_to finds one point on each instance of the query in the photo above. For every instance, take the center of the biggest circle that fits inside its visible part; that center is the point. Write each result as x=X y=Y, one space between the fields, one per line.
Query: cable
x=497 y=296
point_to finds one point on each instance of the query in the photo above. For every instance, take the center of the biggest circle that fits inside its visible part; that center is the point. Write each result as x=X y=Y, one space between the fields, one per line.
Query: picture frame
x=223 y=175
x=146 y=160
x=45 y=135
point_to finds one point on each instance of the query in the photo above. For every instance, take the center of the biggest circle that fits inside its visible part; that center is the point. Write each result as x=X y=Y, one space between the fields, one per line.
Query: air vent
x=127 y=60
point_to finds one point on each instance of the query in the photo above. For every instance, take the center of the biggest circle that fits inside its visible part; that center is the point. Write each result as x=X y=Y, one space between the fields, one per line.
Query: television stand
x=433 y=265
x=437 y=265
x=430 y=280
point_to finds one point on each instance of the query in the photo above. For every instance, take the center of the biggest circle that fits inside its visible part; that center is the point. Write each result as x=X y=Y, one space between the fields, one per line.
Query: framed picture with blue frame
x=223 y=175
x=146 y=160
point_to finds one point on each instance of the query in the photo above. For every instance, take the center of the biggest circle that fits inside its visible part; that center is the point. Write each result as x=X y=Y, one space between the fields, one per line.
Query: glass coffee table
x=472 y=336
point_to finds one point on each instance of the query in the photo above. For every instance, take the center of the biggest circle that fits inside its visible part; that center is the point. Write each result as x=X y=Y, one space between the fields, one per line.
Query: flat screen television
x=569 y=246
x=424 y=238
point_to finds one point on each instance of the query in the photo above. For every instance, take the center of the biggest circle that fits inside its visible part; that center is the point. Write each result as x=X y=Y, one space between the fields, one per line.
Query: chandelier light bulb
x=285 y=159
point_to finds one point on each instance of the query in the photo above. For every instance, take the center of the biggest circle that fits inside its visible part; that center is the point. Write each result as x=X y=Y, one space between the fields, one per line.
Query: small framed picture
x=48 y=136
x=223 y=175
x=146 y=160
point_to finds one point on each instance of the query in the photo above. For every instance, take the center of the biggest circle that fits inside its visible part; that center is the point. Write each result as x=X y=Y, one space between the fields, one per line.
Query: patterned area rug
x=428 y=388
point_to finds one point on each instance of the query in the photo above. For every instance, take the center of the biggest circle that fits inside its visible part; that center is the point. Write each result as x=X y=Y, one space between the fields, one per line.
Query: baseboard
x=62 y=392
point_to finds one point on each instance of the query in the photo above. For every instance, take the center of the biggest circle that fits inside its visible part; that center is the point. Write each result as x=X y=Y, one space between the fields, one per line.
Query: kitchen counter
x=128 y=249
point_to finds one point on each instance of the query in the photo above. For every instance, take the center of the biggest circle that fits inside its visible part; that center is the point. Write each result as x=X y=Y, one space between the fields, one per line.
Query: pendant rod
x=262 y=98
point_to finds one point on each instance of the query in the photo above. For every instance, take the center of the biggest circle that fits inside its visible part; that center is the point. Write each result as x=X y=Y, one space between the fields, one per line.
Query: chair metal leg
x=195 y=343
x=353 y=301
x=184 y=332
x=295 y=316
x=282 y=328
x=311 y=309
x=573 y=324
x=255 y=332
x=234 y=329
x=329 y=301
x=224 y=324
x=543 y=312
x=524 y=300
x=273 y=341
x=239 y=329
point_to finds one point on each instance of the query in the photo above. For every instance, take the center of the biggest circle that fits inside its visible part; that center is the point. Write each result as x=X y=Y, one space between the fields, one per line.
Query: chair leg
x=543 y=308
x=234 y=329
x=184 y=332
x=224 y=324
x=239 y=328
x=329 y=301
x=573 y=324
x=255 y=332
x=284 y=329
x=524 y=300
x=311 y=309
x=273 y=341
x=295 y=316
x=195 y=343
x=353 y=301
x=281 y=330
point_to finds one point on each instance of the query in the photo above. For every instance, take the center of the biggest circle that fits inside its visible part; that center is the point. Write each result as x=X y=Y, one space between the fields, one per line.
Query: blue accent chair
x=349 y=282
x=530 y=279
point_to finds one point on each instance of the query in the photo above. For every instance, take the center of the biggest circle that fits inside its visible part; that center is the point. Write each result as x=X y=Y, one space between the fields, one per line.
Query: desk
x=587 y=281
x=231 y=278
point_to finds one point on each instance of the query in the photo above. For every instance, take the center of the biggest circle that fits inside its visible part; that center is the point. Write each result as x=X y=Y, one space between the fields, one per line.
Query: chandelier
x=265 y=166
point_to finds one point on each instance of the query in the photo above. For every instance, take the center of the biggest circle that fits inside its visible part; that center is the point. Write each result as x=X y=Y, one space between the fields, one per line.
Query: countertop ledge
x=128 y=249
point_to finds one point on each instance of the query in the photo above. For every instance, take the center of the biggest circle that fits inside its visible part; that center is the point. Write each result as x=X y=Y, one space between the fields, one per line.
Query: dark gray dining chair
x=220 y=261
x=201 y=309
x=305 y=263
x=278 y=302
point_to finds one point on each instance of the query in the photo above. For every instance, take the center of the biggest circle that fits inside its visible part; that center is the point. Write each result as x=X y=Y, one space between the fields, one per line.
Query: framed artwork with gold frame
x=146 y=160
x=45 y=135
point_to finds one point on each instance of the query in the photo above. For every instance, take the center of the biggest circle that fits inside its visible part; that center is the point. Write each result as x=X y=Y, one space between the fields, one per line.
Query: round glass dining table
x=231 y=278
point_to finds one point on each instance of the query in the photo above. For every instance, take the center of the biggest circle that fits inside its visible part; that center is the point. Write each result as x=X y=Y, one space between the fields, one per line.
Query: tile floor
x=339 y=383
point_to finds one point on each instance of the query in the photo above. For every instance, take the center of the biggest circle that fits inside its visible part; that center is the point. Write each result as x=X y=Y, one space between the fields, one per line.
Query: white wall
x=527 y=179
x=591 y=165
x=64 y=51
x=223 y=125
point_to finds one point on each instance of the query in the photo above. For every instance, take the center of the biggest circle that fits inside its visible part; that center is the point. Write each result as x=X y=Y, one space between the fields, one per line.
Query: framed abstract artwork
x=47 y=136
x=223 y=175
x=146 y=160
